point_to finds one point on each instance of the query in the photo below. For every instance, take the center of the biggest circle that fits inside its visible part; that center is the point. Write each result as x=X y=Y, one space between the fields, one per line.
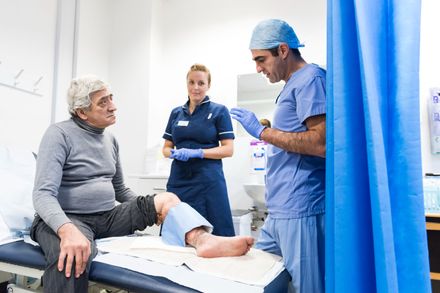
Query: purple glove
x=248 y=120
x=186 y=154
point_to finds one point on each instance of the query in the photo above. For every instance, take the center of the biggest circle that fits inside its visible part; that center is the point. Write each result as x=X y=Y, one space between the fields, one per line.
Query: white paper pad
x=256 y=269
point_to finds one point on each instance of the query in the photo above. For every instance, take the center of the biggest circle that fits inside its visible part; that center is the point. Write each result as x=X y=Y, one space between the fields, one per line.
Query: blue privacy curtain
x=376 y=236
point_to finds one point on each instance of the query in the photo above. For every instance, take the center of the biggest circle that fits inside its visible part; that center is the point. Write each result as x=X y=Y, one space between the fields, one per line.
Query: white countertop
x=148 y=175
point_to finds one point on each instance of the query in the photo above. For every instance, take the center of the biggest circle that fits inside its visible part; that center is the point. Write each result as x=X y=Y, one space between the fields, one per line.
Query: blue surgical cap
x=271 y=33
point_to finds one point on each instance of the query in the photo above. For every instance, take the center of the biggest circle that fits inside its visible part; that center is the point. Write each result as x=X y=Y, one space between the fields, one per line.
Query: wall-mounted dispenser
x=434 y=119
x=258 y=156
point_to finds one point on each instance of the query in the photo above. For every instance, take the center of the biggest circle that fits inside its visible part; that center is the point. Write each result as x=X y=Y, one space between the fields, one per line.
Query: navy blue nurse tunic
x=201 y=182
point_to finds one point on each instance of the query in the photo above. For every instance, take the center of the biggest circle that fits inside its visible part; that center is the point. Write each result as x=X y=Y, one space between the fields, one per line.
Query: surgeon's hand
x=186 y=154
x=248 y=120
x=75 y=248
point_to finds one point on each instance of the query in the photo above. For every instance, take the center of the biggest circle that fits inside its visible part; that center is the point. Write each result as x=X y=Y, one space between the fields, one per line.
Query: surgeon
x=78 y=180
x=295 y=180
x=198 y=136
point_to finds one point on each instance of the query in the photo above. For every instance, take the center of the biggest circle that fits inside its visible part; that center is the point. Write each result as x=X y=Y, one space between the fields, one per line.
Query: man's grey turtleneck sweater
x=78 y=171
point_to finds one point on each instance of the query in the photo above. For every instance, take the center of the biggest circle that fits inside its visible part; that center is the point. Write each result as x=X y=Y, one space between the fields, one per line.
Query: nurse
x=198 y=135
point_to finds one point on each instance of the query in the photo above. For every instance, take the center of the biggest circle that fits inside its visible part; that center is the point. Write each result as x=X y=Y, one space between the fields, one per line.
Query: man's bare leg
x=208 y=245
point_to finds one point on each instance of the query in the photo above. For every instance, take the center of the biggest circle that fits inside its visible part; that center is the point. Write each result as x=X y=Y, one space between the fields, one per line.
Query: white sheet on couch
x=255 y=270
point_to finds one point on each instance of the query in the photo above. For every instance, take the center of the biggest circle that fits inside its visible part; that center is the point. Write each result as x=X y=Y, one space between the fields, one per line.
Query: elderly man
x=295 y=181
x=78 y=179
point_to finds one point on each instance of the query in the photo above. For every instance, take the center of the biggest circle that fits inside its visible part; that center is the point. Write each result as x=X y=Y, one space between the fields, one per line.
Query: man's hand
x=248 y=120
x=186 y=154
x=74 y=247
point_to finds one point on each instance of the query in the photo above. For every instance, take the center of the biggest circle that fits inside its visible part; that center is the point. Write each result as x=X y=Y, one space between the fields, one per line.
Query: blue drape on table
x=375 y=225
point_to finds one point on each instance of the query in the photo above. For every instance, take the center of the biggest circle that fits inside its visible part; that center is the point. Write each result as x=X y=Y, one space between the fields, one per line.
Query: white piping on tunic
x=220 y=133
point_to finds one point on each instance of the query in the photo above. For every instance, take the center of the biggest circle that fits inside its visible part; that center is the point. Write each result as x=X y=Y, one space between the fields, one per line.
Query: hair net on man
x=271 y=33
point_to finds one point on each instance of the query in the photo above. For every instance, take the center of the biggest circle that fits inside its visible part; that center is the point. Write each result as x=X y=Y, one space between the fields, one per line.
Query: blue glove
x=248 y=120
x=186 y=154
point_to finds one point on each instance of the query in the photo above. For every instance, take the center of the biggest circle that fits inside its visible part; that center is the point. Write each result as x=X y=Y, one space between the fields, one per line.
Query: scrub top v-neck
x=201 y=182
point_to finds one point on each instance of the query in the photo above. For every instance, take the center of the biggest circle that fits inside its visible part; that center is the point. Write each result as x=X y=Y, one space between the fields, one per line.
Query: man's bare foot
x=208 y=245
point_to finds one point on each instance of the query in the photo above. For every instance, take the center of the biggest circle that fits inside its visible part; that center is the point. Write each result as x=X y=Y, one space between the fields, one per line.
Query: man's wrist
x=261 y=132
x=64 y=228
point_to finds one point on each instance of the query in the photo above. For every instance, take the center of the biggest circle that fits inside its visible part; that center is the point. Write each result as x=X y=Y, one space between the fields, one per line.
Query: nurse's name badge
x=182 y=123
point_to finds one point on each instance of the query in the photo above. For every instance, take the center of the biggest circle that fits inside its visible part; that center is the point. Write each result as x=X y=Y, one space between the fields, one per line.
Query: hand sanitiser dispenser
x=434 y=119
x=258 y=155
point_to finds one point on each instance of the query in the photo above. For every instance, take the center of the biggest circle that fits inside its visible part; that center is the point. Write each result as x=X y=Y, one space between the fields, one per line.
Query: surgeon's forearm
x=310 y=142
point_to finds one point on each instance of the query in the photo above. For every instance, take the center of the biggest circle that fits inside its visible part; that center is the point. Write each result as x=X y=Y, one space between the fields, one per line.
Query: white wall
x=429 y=77
x=95 y=23
x=114 y=43
x=64 y=57
x=27 y=34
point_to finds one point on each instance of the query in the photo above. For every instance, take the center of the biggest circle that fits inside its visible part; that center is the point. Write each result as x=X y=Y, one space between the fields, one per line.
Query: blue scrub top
x=295 y=183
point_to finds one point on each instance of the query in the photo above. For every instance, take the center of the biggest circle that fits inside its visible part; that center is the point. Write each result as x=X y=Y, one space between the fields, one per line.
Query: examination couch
x=20 y=257
x=25 y=259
